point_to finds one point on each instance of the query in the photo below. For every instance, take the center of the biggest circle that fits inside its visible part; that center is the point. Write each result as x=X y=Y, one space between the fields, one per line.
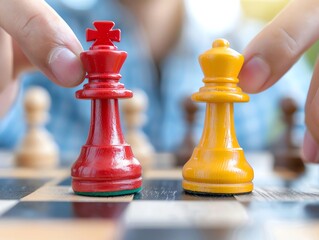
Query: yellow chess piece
x=218 y=164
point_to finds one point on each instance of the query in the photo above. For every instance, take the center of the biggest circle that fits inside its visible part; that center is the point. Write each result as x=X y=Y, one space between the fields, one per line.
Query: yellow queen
x=218 y=164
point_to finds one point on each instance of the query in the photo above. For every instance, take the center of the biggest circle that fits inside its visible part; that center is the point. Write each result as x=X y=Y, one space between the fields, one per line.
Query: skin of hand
x=275 y=49
x=33 y=35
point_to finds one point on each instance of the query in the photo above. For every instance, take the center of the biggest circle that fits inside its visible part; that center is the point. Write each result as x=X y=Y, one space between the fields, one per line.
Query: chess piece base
x=37 y=160
x=109 y=194
x=211 y=189
x=38 y=150
x=105 y=188
x=218 y=171
x=288 y=163
x=109 y=170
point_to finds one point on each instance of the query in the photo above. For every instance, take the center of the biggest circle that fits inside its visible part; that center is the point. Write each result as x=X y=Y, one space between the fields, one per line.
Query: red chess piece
x=106 y=165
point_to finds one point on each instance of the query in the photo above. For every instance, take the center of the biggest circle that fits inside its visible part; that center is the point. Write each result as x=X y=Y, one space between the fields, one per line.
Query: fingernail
x=254 y=74
x=310 y=148
x=66 y=67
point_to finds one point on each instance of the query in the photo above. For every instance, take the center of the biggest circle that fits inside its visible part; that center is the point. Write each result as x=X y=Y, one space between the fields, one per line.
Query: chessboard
x=40 y=204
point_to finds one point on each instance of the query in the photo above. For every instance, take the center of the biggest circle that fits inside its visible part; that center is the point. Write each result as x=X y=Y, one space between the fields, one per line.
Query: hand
x=32 y=34
x=275 y=49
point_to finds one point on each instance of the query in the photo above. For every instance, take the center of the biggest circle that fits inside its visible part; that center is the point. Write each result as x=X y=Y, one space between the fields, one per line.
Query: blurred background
x=163 y=39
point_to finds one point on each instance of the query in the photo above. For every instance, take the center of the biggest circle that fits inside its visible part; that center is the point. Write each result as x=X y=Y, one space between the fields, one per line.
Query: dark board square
x=17 y=188
x=67 y=210
x=159 y=234
x=206 y=233
x=160 y=190
x=170 y=189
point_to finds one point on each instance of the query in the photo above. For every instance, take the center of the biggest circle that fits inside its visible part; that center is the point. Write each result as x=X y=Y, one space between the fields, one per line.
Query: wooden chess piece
x=37 y=149
x=106 y=165
x=134 y=117
x=218 y=164
x=188 y=144
x=287 y=159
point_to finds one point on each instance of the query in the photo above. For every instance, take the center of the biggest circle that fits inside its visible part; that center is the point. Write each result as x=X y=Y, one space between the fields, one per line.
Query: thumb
x=45 y=39
x=279 y=45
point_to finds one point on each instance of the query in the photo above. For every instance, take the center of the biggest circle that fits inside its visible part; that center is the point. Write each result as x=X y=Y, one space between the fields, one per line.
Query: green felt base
x=109 y=194
x=214 y=194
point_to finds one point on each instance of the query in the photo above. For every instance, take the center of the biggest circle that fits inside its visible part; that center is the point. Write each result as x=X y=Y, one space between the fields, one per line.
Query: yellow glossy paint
x=218 y=164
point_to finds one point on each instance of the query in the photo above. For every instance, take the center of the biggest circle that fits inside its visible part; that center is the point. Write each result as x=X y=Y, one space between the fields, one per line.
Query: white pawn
x=37 y=149
x=134 y=118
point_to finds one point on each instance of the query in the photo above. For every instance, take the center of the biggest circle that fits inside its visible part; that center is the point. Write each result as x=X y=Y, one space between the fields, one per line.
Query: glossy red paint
x=106 y=163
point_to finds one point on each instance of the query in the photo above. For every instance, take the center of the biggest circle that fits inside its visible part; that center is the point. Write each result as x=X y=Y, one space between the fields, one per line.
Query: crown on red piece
x=103 y=63
x=103 y=35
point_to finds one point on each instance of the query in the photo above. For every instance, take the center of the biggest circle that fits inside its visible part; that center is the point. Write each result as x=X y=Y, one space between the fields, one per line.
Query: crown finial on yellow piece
x=218 y=164
x=220 y=42
x=221 y=66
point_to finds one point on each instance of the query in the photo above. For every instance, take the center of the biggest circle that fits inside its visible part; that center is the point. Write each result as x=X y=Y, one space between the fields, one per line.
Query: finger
x=8 y=96
x=6 y=60
x=20 y=62
x=310 y=149
x=44 y=38
x=311 y=140
x=279 y=45
x=312 y=103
